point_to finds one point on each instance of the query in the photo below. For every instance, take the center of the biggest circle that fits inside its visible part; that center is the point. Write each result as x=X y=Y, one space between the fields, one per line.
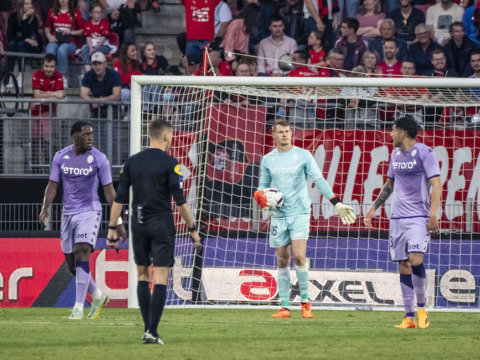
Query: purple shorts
x=409 y=235
x=80 y=228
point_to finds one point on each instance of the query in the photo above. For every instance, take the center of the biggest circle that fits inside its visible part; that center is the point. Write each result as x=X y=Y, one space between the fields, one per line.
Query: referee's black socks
x=157 y=303
x=143 y=295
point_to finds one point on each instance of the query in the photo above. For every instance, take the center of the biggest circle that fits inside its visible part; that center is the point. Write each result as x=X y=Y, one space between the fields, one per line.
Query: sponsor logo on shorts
x=413 y=247
x=76 y=171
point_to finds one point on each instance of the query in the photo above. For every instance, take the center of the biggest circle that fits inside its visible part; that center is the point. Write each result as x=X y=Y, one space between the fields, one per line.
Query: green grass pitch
x=45 y=333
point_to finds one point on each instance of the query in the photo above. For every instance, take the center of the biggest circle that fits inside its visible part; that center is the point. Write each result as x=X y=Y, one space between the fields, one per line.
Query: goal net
x=222 y=129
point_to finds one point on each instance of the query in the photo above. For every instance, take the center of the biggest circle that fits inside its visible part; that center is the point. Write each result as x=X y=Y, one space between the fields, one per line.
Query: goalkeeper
x=286 y=169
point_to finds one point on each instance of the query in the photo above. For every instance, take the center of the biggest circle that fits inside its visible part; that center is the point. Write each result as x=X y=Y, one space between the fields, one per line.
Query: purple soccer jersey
x=411 y=170
x=80 y=175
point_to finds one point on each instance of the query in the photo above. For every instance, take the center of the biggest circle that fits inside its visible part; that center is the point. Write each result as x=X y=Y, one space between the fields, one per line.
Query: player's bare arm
x=385 y=193
x=435 y=197
x=109 y=193
x=50 y=193
x=184 y=211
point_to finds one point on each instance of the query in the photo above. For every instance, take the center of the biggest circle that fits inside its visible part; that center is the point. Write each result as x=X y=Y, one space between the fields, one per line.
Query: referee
x=155 y=177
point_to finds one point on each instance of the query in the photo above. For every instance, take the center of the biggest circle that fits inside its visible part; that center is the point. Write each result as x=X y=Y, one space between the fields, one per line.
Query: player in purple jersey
x=80 y=167
x=414 y=171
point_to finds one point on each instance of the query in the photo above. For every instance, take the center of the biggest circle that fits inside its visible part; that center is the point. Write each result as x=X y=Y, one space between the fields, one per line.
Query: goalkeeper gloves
x=261 y=199
x=346 y=213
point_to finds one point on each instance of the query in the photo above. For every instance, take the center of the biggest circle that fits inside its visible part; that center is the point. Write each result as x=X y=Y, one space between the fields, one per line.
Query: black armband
x=334 y=200
x=111 y=227
x=192 y=229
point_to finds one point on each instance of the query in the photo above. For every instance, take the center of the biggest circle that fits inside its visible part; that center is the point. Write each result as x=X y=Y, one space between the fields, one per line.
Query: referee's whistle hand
x=196 y=239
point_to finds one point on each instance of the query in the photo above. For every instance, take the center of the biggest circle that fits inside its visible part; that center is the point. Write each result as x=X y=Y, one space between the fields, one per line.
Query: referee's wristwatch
x=192 y=229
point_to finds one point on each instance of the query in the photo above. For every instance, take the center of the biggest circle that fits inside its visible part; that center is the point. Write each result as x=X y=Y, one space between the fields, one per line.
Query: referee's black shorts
x=154 y=241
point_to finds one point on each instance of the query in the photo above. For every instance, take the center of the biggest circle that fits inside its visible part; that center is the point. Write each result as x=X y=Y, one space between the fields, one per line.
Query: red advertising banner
x=355 y=162
x=26 y=267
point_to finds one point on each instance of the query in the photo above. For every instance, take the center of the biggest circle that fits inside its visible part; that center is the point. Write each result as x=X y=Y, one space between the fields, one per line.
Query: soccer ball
x=274 y=199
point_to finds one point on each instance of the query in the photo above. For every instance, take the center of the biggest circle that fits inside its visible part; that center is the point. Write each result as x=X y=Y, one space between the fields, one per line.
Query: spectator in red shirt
x=46 y=84
x=127 y=65
x=300 y=68
x=96 y=31
x=64 y=23
x=390 y=67
x=316 y=52
x=200 y=21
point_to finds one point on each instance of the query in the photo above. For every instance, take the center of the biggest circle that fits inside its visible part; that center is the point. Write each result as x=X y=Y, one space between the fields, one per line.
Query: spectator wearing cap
x=190 y=63
x=200 y=21
x=96 y=31
x=459 y=49
x=273 y=47
x=101 y=84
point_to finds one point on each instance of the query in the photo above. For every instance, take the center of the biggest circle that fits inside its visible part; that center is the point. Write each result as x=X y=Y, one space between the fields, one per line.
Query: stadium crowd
x=324 y=38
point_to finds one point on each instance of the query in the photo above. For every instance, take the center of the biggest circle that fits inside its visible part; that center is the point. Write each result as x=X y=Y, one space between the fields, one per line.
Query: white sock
x=79 y=306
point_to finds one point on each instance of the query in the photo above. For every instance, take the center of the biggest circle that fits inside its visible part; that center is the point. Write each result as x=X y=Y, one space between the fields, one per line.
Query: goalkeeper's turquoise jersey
x=288 y=172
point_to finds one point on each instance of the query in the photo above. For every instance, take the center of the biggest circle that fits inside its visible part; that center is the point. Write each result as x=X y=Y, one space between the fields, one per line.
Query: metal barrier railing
x=30 y=137
x=22 y=57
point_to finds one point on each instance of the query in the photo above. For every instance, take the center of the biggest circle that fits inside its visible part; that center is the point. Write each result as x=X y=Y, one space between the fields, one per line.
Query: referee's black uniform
x=155 y=177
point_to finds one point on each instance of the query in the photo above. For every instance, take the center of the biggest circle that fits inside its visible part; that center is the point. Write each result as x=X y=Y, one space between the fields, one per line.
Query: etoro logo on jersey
x=76 y=171
x=404 y=164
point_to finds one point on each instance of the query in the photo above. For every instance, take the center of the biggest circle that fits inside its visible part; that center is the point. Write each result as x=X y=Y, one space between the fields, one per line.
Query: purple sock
x=408 y=294
x=82 y=280
x=419 y=280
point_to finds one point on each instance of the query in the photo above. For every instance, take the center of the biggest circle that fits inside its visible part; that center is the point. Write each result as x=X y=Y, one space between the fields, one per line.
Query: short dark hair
x=276 y=18
x=390 y=40
x=475 y=52
x=50 y=58
x=281 y=122
x=409 y=125
x=352 y=23
x=456 y=23
x=77 y=126
x=438 y=51
x=302 y=55
x=157 y=126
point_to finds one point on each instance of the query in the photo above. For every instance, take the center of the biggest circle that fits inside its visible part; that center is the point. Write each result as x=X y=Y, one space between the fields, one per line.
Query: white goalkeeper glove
x=346 y=213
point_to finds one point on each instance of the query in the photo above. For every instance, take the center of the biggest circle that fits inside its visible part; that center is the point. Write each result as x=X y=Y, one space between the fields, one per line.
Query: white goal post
x=222 y=128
